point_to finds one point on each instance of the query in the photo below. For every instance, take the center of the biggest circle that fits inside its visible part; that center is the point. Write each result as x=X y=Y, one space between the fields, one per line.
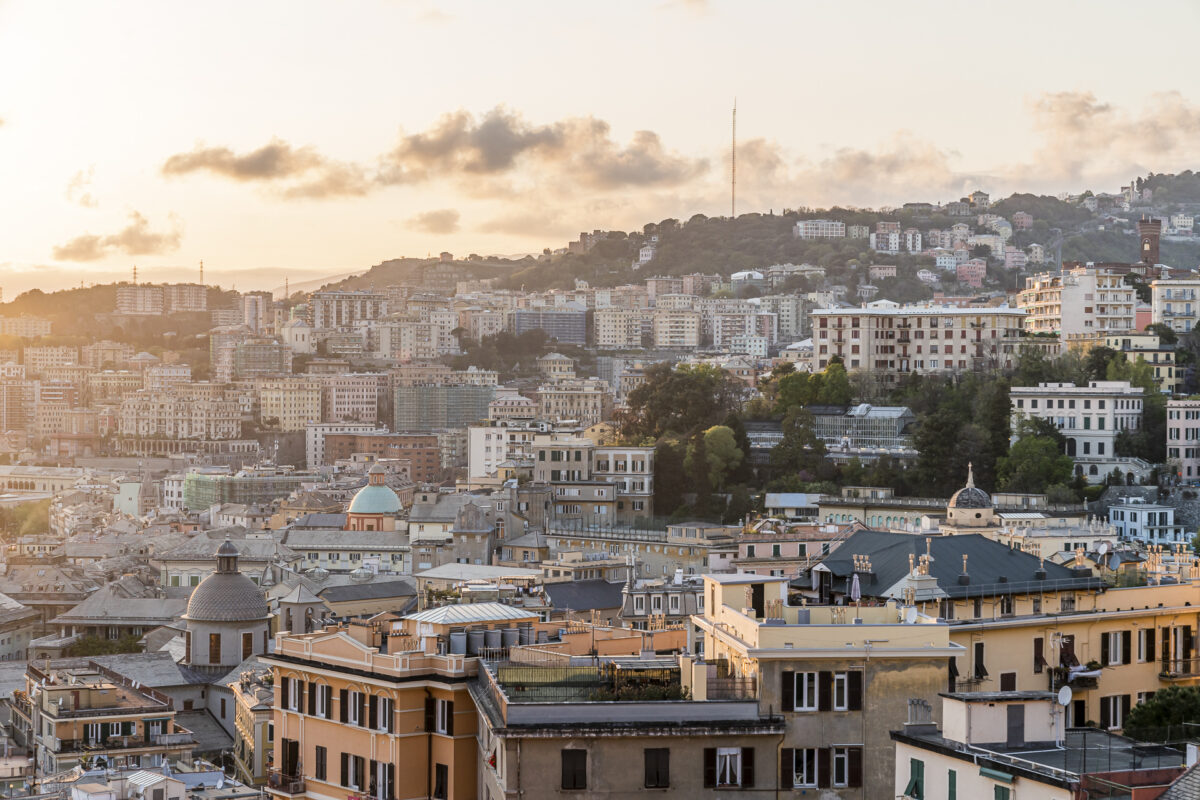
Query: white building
x=1086 y=299
x=1183 y=439
x=819 y=229
x=1174 y=303
x=1148 y=523
x=1090 y=417
x=617 y=328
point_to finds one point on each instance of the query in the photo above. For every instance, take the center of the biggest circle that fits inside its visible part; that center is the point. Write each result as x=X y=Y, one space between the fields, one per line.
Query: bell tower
x=1149 y=232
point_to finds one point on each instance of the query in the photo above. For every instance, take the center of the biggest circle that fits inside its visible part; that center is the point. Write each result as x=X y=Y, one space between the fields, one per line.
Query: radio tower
x=202 y=272
x=135 y=274
x=733 y=166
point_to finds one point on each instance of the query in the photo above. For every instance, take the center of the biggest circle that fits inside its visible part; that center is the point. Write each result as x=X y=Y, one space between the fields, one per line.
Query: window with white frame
x=729 y=766
x=840 y=691
x=841 y=766
x=441 y=716
x=804 y=772
x=355 y=709
x=806 y=691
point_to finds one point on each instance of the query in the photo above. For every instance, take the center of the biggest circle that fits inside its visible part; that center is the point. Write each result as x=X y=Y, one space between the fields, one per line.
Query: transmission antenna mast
x=733 y=166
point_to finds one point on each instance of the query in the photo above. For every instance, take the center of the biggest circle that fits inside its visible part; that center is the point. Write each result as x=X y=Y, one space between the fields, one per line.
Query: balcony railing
x=285 y=784
x=1180 y=669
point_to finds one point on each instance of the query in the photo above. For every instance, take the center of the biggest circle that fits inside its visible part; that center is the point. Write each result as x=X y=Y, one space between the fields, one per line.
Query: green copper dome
x=375 y=500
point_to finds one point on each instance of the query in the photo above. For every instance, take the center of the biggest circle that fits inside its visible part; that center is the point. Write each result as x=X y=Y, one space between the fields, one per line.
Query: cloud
x=79 y=190
x=442 y=221
x=135 y=239
x=460 y=146
x=313 y=175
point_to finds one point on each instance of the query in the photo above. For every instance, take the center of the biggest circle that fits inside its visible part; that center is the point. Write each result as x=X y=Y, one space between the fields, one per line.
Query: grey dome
x=227 y=597
x=970 y=496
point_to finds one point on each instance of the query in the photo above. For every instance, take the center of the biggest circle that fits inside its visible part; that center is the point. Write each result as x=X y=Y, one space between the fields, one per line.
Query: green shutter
x=952 y=786
x=916 y=779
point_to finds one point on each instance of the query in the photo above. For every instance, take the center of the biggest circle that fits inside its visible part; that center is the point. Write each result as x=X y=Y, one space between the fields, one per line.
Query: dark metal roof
x=584 y=595
x=368 y=591
x=988 y=562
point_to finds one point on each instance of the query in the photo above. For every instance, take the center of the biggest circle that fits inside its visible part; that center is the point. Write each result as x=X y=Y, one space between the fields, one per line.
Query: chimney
x=964 y=578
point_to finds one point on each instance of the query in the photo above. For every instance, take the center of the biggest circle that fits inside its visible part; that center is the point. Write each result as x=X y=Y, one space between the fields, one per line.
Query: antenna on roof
x=733 y=166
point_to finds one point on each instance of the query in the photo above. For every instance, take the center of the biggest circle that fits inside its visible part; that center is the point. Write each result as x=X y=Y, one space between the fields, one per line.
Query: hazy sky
x=311 y=139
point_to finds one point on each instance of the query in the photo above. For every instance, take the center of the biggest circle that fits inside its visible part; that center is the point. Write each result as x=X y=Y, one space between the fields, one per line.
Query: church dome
x=970 y=496
x=227 y=595
x=376 y=497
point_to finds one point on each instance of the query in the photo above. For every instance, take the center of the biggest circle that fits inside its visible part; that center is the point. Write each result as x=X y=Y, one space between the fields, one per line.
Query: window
x=355 y=708
x=977 y=606
x=1113 y=710
x=749 y=551
x=951 y=785
x=806 y=692
x=804 y=770
x=439 y=716
x=1006 y=605
x=322 y=766
x=728 y=766
x=1001 y=793
x=441 y=782
x=1039 y=654
x=841 y=766
x=214 y=648
x=247 y=645
x=658 y=767
x=980 y=670
x=840 y=691
x=1145 y=651
x=916 y=779
x=574 y=769
x=354 y=771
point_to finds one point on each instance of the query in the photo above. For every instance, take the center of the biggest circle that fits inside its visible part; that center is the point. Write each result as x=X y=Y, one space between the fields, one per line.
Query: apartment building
x=1149 y=348
x=891 y=340
x=1090 y=417
x=631 y=470
x=421 y=451
x=288 y=404
x=819 y=229
x=351 y=396
x=1148 y=523
x=25 y=327
x=676 y=330
x=489 y=446
x=71 y=716
x=343 y=309
x=834 y=673
x=314 y=439
x=585 y=401
x=567 y=326
x=179 y=414
x=427 y=407
x=1085 y=299
x=139 y=300
x=105 y=354
x=1176 y=303
x=260 y=356
x=41 y=358
x=164 y=376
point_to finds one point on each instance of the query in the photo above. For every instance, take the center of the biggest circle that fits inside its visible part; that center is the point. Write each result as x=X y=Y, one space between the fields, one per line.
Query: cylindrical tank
x=492 y=638
x=474 y=642
x=511 y=637
x=525 y=635
x=458 y=643
x=543 y=637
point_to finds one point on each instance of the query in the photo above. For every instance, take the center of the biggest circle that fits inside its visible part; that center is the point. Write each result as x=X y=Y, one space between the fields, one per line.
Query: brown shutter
x=312 y=699
x=854 y=689
x=788 y=690
x=373 y=714
x=1039 y=654
x=1150 y=654
x=747 y=767
x=1125 y=704
x=1105 y=717
x=1166 y=646
x=824 y=691
x=824 y=771
x=1126 y=647
x=855 y=767
x=787 y=765
x=1103 y=659
x=1187 y=642
x=344 y=704
x=429 y=714
x=450 y=718
x=710 y=767
x=283 y=692
x=345 y=769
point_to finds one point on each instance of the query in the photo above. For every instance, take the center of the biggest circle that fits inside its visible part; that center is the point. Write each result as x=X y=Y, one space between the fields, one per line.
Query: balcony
x=1180 y=669
x=285 y=784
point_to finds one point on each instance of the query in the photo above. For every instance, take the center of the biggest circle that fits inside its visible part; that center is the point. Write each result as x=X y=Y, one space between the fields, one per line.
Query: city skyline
x=313 y=141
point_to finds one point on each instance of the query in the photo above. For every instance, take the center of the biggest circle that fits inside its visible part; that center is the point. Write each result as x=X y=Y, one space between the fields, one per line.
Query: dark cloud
x=310 y=174
x=441 y=221
x=459 y=146
x=79 y=190
x=135 y=239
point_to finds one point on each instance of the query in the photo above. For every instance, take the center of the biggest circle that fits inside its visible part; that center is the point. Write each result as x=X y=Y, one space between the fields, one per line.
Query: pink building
x=1022 y=221
x=1014 y=258
x=1143 y=315
x=972 y=272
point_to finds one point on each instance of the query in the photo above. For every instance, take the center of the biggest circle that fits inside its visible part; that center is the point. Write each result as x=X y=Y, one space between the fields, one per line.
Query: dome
x=227 y=595
x=376 y=497
x=970 y=496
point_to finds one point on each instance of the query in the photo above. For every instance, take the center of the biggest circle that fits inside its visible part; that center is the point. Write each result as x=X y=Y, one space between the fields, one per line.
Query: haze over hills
x=707 y=244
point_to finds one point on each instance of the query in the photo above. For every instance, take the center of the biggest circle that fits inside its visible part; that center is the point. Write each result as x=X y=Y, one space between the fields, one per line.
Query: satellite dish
x=910 y=615
x=1064 y=696
x=1103 y=548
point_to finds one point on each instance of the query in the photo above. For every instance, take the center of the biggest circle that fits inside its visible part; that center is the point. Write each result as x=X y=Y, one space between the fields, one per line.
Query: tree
x=699 y=471
x=722 y=453
x=800 y=389
x=1098 y=359
x=1168 y=709
x=801 y=453
x=682 y=399
x=743 y=473
x=669 y=478
x=1034 y=463
x=1163 y=332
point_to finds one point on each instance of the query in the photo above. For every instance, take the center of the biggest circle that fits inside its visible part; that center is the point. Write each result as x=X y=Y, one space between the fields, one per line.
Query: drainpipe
x=428 y=754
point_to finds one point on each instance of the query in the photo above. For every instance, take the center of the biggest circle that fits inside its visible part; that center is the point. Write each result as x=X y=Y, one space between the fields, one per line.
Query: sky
x=308 y=139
